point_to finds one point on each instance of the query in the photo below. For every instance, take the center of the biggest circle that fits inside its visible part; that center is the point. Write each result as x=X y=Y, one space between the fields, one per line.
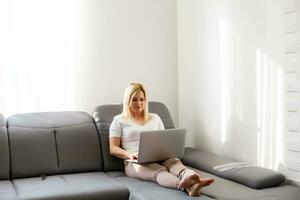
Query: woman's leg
x=152 y=172
x=189 y=178
x=175 y=166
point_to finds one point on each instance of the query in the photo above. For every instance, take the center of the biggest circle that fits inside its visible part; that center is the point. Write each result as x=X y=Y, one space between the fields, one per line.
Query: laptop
x=160 y=145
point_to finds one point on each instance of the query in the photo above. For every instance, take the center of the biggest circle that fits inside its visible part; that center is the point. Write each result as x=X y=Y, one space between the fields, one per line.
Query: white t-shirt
x=129 y=131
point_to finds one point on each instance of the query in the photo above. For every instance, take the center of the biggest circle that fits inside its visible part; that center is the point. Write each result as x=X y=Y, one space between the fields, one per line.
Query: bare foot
x=206 y=181
x=188 y=181
x=192 y=184
x=194 y=189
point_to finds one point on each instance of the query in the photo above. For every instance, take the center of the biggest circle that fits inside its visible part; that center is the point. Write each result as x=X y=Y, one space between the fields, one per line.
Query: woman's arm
x=117 y=151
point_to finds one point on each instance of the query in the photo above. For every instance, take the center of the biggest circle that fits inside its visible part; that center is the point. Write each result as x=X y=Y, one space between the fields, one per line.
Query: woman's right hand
x=134 y=156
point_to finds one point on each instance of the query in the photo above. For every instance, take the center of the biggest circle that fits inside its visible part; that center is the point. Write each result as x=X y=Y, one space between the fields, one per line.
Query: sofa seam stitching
x=56 y=149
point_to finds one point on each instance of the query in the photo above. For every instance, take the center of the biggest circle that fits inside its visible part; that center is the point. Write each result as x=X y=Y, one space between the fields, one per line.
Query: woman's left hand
x=134 y=156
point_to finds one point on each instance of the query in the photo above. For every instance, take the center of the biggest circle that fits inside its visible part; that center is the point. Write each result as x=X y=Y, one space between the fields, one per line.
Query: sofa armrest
x=231 y=169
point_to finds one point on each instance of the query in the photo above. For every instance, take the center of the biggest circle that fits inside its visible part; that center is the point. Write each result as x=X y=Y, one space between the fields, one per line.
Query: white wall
x=215 y=62
x=125 y=41
x=229 y=75
x=78 y=54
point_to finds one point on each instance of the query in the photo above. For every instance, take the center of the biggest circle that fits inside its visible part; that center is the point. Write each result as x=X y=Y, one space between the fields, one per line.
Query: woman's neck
x=137 y=115
x=138 y=118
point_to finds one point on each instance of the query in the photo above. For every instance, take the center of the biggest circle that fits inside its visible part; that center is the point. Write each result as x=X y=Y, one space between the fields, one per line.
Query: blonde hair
x=130 y=91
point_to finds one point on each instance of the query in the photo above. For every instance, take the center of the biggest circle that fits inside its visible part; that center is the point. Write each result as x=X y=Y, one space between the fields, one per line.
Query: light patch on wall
x=225 y=73
x=269 y=84
x=280 y=118
x=269 y=112
x=258 y=104
x=231 y=79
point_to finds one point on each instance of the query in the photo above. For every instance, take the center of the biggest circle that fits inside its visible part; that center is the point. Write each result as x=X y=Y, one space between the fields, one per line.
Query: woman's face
x=137 y=104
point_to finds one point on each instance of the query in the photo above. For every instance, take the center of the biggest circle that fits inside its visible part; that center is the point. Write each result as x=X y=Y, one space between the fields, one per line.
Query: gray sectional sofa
x=65 y=156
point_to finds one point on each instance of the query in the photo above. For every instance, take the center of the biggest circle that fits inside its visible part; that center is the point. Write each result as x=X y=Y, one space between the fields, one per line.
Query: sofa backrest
x=4 y=150
x=53 y=143
x=103 y=116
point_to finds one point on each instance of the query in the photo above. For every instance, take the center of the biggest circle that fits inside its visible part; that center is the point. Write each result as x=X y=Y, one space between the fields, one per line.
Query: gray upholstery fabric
x=284 y=192
x=2 y=121
x=7 y=191
x=52 y=143
x=87 y=186
x=78 y=148
x=255 y=177
x=256 y=198
x=251 y=176
x=221 y=189
x=103 y=116
x=163 y=112
x=48 y=119
x=228 y=190
x=4 y=150
x=145 y=190
x=33 y=152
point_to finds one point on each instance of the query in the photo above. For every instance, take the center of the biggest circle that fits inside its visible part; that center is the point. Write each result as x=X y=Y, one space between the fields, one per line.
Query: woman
x=124 y=140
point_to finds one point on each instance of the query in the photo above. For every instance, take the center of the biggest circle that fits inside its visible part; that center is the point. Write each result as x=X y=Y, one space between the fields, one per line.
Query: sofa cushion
x=103 y=116
x=87 y=186
x=4 y=150
x=78 y=148
x=145 y=190
x=48 y=119
x=221 y=189
x=53 y=143
x=228 y=190
x=33 y=152
x=251 y=176
x=7 y=191
x=2 y=121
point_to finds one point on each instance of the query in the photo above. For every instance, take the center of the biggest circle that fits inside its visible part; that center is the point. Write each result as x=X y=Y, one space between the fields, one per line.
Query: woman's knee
x=157 y=167
x=174 y=166
x=143 y=171
x=170 y=161
x=129 y=170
